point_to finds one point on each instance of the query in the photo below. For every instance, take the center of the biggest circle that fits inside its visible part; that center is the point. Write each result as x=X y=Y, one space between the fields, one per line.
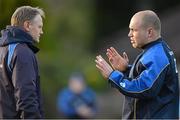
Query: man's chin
x=134 y=46
x=36 y=40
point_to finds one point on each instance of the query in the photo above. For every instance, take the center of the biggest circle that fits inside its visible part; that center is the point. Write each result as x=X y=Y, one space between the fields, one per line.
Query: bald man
x=150 y=85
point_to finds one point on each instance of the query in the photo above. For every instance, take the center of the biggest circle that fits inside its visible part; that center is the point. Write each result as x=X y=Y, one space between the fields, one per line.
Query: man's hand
x=103 y=66
x=85 y=111
x=117 y=61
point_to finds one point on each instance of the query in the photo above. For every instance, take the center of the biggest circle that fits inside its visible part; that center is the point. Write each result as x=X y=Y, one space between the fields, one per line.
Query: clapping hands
x=117 y=62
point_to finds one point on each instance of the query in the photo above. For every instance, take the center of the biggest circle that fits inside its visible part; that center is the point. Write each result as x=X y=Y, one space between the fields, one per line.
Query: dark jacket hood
x=14 y=34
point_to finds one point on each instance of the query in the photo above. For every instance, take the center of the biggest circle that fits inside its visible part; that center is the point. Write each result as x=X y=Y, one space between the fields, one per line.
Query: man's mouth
x=132 y=42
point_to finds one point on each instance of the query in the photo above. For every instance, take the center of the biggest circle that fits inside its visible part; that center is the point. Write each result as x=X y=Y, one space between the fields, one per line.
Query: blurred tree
x=70 y=29
x=65 y=47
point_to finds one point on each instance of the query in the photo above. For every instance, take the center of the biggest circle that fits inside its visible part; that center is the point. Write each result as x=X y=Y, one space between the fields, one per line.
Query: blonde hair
x=25 y=13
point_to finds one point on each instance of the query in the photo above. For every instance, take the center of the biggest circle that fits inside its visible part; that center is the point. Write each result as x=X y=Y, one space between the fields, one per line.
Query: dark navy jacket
x=20 y=89
x=151 y=86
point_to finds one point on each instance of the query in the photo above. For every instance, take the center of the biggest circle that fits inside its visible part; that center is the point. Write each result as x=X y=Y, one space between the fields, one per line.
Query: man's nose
x=129 y=34
x=41 y=32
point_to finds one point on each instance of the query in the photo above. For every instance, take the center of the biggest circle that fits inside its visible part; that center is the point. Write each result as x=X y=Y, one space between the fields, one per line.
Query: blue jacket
x=20 y=89
x=68 y=101
x=151 y=85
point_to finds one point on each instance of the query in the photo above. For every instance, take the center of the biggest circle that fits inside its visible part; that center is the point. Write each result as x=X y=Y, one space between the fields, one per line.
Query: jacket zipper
x=135 y=108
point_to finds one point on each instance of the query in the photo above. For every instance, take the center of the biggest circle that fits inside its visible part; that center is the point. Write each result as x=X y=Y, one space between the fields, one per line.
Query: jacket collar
x=14 y=34
x=147 y=46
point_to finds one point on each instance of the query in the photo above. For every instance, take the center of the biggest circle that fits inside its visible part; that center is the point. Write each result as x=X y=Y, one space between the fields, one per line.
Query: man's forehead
x=134 y=22
x=38 y=18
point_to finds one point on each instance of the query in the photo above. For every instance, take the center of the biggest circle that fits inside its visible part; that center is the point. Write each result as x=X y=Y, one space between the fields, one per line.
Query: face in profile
x=35 y=28
x=137 y=34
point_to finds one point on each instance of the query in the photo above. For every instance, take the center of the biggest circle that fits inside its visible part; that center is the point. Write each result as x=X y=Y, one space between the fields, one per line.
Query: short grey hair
x=150 y=18
x=25 y=13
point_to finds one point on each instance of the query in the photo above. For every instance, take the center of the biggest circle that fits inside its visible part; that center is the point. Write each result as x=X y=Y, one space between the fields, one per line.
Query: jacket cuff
x=116 y=77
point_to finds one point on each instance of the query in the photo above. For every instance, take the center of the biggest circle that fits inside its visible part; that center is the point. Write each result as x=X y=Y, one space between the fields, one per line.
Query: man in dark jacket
x=19 y=76
x=150 y=85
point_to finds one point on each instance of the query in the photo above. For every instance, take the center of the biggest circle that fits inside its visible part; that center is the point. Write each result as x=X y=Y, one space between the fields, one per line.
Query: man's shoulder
x=156 y=54
x=155 y=51
x=23 y=51
x=23 y=48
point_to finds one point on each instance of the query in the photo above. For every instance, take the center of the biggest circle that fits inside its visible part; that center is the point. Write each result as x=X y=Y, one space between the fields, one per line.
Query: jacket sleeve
x=24 y=79
x=148 y=83
x=64 y=102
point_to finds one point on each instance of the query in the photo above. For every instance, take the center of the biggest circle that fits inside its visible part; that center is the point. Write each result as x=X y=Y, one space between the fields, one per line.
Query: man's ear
x=26 y=26
x=150 y=32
